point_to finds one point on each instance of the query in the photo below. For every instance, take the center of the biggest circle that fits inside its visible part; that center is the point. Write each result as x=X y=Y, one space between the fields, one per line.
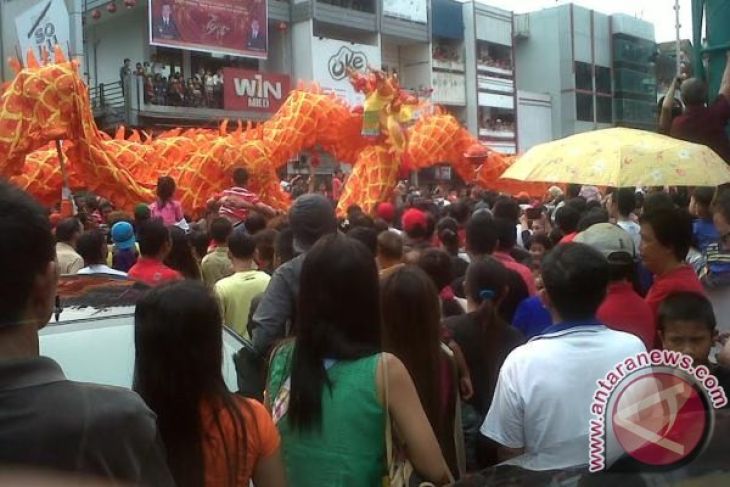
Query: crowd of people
x=476 y=327
x=203 y=89
x=446 y=52
x=497 y=124
x=452 y=328
x=487 y=57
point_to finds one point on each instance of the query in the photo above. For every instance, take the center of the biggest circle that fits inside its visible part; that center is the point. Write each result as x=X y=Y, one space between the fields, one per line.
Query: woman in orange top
x=212 y=437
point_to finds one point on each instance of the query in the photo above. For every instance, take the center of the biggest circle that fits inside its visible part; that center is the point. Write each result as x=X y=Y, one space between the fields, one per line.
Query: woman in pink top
x=165 y=208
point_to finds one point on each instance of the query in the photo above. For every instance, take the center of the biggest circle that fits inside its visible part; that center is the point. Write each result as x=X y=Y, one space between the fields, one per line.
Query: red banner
x=237 y=27
x=253 y=91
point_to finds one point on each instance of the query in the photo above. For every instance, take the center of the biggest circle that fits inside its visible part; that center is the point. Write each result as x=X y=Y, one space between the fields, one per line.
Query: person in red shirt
x=622 y=309
x=666 y=235
x=567 y=218
x=507 y=238
x=154 y=245
x=705 y=124
x=337 y=184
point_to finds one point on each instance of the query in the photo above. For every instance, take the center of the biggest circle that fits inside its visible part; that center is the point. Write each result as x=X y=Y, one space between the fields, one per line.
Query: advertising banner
x=332 y=59
x=253 y=91
x=413 y=10
x=236 y=27
x=42 y=27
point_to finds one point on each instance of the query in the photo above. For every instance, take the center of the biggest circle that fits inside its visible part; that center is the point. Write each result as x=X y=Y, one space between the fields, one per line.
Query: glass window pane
x=584 y=107
x=603 y=109
x=603 y=80
x=583 y=76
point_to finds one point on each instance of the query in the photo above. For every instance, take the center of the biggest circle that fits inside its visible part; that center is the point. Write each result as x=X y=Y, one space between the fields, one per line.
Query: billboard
x=42 y=27
x=413 y=10
x=235 y=27
x=253 y=91
x=332 y=59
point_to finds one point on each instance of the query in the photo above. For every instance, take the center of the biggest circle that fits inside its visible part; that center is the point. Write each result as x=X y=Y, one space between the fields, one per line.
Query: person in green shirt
x=236 y=292
x=327 y=386
x=217 y=265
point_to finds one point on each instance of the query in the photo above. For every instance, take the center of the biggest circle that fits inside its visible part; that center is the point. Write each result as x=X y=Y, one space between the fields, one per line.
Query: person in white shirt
x=621 y=206
x=541 y=406
x=93 y=249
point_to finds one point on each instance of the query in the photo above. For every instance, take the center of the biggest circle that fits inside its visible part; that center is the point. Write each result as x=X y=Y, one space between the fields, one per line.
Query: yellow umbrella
x=621 y=157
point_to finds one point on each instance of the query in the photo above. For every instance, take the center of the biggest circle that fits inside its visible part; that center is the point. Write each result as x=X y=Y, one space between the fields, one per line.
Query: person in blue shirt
x=532 y=317
x=704 y=232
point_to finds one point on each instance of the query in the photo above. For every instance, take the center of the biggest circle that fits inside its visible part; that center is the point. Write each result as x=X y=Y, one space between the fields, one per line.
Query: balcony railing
x=448 y=64
x=107 y=95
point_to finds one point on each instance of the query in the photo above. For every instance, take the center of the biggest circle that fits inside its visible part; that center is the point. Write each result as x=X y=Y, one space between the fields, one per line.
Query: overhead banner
x=42 y=27
x=332 y=59
x=413 y=10
x=236 y=27
x=253 y=91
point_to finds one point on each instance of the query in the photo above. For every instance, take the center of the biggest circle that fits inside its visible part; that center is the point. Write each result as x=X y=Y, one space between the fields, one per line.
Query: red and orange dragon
x=48 y=102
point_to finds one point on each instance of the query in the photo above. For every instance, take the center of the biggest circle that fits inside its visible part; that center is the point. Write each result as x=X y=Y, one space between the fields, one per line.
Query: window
x=603 y=80
x=583 y=76
x=584 y=107
x=603 y=109
x=363 y=5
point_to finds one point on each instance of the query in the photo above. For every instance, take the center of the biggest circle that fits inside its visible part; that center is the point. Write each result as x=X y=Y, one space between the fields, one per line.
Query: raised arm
x=665 y=116
x=410 y=421
x=265 y=210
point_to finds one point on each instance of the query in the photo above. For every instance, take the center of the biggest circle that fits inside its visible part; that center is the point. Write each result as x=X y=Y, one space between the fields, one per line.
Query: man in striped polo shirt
x=237 y=202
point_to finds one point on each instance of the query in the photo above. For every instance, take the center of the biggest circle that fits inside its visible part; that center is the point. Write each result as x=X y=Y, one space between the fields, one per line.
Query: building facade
x=596 y=68
x=513 y=80
x=634 y=72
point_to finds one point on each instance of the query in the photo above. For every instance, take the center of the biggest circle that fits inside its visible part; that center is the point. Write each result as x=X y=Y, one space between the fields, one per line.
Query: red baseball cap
x=413 y=218
x=386 y=211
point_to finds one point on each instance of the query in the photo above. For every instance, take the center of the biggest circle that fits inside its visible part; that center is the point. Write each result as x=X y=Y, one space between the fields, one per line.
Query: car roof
x=95 y=296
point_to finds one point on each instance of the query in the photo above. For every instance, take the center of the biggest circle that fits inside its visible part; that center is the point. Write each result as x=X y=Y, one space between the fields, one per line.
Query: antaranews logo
x=656 y=407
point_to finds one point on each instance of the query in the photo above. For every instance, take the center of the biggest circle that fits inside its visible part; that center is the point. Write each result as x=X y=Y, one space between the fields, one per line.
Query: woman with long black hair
x=485 y=339
x=412 y=332
x=181 y=256
x=212 y=437
x=327 y=387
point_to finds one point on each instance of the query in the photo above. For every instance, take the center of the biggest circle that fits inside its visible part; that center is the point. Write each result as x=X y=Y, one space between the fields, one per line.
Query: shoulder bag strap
x=388 y=426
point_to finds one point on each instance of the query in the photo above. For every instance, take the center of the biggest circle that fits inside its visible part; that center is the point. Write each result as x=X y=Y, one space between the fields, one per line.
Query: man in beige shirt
x=217 y=265
x=68 y=232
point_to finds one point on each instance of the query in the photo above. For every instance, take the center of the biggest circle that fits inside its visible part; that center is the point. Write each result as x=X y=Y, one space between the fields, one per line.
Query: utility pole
x=677 y=26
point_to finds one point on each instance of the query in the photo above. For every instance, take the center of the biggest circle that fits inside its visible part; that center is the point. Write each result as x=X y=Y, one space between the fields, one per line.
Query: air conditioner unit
x=522 y=26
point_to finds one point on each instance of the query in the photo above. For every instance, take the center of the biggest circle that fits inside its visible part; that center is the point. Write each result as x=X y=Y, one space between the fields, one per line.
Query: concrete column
x=470 y=68
x=187 y=67
x=76 y=31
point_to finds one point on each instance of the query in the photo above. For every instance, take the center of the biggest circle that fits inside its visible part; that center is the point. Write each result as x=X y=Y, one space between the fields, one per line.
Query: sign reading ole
x=253 y=91
x=331 y=60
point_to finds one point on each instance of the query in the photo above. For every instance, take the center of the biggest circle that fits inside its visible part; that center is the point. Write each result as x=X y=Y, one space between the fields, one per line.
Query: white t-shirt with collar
x=101 y=269
x=545 y=389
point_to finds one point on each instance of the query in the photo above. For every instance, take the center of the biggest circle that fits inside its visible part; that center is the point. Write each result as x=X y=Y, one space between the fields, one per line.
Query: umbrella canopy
x=621 y=157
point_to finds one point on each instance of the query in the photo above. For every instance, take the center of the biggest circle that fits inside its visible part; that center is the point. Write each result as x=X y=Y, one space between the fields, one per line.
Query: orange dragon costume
x=48 y=102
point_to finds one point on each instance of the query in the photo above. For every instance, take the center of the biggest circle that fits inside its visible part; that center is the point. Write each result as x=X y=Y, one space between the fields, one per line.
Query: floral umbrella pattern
x=621 y=157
